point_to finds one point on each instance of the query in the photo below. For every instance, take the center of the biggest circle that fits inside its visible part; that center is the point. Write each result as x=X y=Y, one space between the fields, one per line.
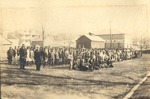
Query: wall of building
x=116 y=37
x=83 y=41
x=128 y=42
x=40 y=43
x=97 y=44
x=5 y=48
x=115 y=45
x=118 y=40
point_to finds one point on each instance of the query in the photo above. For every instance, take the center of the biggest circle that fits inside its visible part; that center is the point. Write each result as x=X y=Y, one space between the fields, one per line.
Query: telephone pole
x=110 y=36
x=43 y=36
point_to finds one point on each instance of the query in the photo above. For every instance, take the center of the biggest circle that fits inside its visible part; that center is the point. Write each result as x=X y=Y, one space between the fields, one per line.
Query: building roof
x=107 y=31
x=111 y=34
x=5 y=41
x=94 y=38
x=11 y=36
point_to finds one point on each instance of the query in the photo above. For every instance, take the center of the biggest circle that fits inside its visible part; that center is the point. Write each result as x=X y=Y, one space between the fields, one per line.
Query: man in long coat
x=37 y=58
x=23 y=55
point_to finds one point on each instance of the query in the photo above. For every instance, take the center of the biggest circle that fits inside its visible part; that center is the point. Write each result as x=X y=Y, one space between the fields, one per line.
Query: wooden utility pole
x=43 y=34
x=110 y=36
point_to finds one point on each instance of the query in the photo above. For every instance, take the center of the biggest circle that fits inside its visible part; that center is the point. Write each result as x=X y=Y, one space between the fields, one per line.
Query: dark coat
x=23 y=53
x=9 y=54
x=37 y=57
x=44 y=55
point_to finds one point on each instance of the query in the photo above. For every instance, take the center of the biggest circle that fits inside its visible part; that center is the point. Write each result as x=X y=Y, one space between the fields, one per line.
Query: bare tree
x=43 y=35
x=43 y=22
x=44 y=29
x=141 y=42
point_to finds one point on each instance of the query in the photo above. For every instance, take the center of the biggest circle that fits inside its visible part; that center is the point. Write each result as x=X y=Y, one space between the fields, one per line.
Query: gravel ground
x=61 y=83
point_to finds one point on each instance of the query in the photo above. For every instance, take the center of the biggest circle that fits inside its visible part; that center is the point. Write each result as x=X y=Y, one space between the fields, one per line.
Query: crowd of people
x=80 y=59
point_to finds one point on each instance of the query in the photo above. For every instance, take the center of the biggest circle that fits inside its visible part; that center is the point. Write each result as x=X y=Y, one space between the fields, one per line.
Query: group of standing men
x=77 y=58
x=23 y=54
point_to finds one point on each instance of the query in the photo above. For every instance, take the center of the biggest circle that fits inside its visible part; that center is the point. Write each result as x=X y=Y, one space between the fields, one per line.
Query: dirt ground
x=143 y=92
x=61 y=83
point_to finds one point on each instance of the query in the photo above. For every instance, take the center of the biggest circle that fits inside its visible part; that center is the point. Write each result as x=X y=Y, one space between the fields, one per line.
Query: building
x=30 y=38
x=36 y=40
x=4 y=45
x=90 y=41
x=120 y=40
x=15 y=41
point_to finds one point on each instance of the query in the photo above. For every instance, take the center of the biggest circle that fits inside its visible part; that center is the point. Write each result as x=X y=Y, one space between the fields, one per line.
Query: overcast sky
x=76 y=16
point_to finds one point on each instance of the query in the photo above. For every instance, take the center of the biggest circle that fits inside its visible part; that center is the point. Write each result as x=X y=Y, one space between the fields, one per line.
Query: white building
x=120 y=40
x=90 y=41
x=29 y=38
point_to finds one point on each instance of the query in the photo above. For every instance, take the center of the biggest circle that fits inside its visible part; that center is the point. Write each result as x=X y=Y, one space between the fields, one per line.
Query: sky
x=76 y=17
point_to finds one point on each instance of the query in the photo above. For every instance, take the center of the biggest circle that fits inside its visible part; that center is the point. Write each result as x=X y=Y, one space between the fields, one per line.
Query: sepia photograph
x=74 y=49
